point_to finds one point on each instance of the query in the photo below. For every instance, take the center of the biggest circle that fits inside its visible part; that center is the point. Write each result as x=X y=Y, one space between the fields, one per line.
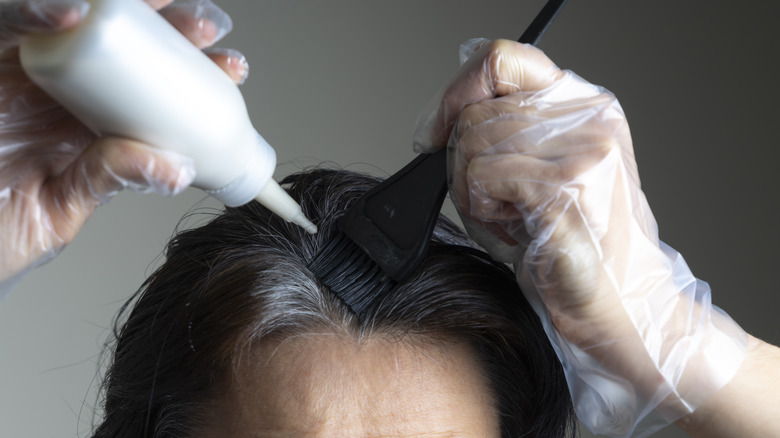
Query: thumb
x=102 y=170
x=495 y=69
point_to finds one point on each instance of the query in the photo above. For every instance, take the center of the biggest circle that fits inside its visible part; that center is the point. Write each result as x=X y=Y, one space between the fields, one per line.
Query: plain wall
x=343 y=81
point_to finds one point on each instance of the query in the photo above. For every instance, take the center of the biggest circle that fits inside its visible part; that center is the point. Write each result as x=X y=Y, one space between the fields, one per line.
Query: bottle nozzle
x=305 y=223
x=273 y=197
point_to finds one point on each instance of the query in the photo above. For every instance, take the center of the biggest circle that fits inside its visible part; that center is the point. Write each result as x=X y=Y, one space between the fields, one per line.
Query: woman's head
x=234 y=332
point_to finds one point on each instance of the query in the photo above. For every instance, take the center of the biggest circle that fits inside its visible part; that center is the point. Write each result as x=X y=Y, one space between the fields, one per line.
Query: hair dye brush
x=385 y=234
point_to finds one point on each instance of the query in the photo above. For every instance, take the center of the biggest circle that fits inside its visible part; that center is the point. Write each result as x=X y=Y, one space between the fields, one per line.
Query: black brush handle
x=404 y=209
x=533 y=34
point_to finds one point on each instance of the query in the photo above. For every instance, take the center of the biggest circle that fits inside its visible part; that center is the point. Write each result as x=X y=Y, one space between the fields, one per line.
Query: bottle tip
x=304 y=223
x=278 y=201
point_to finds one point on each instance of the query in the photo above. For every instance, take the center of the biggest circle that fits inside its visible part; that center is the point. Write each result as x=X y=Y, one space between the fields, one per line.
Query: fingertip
x=470 y=47
x=201 y=21
x=76 y=14
x=231 y=61
x=207 y=10
x=493 y=69
x=46 y=15
x=520 y=67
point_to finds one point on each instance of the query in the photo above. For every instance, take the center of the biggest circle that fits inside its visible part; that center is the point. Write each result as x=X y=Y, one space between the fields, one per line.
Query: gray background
x=343 y=81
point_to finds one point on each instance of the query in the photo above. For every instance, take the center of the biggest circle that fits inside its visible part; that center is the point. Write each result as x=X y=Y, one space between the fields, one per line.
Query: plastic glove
x=543 y=175
x=53 y=171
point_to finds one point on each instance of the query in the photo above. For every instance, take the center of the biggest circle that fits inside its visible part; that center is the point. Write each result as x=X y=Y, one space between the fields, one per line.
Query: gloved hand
x=53 y=171
x=543 y=174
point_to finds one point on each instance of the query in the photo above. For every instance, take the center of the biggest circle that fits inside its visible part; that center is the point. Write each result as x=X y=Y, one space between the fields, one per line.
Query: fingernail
x=236 y=61
x=54 y=14
x=243 y=68
x=206 y=11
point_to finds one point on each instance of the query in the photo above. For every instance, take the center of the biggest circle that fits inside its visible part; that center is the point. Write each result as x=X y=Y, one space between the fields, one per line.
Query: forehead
x=325 y=385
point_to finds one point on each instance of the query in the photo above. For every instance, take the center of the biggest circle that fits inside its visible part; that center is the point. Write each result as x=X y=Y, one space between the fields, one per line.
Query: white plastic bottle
x=125 y=71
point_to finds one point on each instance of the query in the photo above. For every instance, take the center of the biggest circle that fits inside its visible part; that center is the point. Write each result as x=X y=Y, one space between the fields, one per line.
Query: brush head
x=384 y=235
x=350 y=273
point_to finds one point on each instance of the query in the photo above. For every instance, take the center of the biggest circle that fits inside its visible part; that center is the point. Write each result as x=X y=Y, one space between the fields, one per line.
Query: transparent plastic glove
x=53 y=171
x=544 y=176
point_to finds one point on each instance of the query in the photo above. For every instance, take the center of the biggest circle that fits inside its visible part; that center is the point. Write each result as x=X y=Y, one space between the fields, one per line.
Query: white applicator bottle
x=125 y=71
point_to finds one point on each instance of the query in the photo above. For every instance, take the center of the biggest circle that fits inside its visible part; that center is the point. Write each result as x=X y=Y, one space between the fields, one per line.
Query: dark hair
x=243 y=278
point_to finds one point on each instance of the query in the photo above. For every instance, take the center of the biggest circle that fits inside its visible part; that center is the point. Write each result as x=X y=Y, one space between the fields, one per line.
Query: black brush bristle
x=347 y=271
